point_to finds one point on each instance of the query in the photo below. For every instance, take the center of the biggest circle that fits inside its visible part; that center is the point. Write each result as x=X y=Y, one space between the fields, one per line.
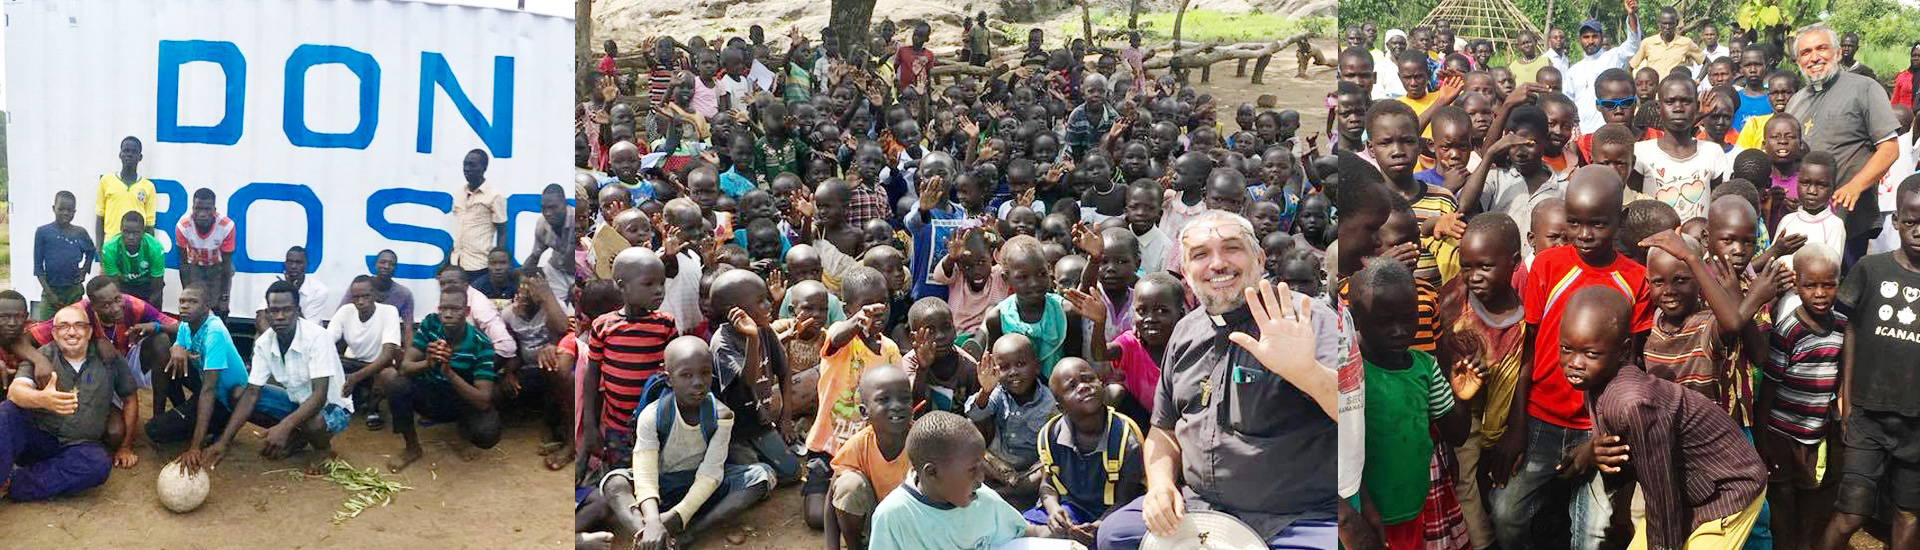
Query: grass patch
x=1198 y=25
x=6 y=246
x=1885 y=60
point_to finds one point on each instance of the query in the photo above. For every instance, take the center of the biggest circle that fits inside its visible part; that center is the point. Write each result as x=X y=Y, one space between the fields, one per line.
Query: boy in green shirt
x=1405 y=394
x=135 y=260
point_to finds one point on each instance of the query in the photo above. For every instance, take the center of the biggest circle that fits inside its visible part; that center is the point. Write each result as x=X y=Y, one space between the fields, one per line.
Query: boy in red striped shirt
x=625 y=348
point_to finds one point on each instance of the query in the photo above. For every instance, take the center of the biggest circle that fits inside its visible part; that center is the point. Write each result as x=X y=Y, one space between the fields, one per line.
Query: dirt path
x=503 y=499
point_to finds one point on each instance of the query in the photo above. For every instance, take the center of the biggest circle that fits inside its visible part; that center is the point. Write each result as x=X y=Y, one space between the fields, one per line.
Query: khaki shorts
x=853 y=494
x=1727 y=533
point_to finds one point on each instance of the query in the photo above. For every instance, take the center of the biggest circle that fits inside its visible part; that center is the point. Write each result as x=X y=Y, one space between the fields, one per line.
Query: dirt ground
x=502 y=499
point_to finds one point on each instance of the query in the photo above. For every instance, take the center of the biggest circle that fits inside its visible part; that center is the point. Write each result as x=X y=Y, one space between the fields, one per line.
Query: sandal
x=375 y=422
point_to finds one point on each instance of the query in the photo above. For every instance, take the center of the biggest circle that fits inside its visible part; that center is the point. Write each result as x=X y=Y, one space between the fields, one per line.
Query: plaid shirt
x=867 y=202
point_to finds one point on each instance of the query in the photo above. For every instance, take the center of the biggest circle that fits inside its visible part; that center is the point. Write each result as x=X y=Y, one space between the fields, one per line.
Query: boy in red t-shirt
x=1555 y=412
x=915 y=63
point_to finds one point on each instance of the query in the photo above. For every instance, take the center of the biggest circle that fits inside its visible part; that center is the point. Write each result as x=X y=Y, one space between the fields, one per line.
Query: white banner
x=337 y=125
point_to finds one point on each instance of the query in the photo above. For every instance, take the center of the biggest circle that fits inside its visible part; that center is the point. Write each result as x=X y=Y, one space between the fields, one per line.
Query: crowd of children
x=1656 y=306
x=941 y=306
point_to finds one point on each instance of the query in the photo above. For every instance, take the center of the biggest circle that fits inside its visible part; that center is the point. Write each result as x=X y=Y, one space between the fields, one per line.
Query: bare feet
x=551 y=447
x=318 y=466
x=593 y=541
x=560 y=459
x=400 y=461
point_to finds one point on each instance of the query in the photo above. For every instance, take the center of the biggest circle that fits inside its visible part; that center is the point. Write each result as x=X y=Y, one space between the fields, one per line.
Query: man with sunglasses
x=54 y=423
x=1580 y=79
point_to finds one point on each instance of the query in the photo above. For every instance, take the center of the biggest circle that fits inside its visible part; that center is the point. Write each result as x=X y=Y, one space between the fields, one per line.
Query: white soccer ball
x=182 y=492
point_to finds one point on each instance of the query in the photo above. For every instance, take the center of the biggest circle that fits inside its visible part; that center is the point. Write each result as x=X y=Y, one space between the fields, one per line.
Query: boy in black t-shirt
x=1880 y=414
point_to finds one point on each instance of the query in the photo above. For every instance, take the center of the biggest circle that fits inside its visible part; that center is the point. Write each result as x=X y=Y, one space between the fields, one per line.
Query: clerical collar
x=1236 y=316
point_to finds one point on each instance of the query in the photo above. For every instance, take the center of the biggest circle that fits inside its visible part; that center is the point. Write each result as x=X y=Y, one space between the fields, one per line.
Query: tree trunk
x=582 y=43
x=849 y=20
x=1174 y=63
x=1133 y=15
x=1086 y=23
x=1548 y=23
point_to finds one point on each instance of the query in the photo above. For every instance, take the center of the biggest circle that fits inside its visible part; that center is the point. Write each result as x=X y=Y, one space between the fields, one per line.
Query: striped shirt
x=630 y=349
x=1697 y=356
x=1804 y=364
x=1439 y=259
x=1427 y=306
x=1692 y=462
x=659 y=81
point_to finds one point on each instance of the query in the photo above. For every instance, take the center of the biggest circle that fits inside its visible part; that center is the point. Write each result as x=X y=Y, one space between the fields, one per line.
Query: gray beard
x=1821 y=84
x=1223 y=306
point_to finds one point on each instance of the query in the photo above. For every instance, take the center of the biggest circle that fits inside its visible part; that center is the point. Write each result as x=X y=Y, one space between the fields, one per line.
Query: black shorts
x=1882 y=453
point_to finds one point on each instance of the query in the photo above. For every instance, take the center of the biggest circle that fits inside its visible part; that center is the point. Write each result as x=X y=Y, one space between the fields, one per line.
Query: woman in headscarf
x=1386 y=81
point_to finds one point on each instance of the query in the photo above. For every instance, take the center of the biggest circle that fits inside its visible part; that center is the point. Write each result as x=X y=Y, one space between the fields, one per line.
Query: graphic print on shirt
x=1905 y=315
x=1683 y=190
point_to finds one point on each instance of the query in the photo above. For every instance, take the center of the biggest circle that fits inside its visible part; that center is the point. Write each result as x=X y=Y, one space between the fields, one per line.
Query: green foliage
x=1386 y=14
x=1879 y=22
x=1886 y=61
x=1790 y=14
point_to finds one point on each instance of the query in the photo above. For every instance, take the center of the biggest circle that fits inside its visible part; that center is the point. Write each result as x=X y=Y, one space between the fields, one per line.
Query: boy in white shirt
x=1815 y=219
x=370 y=331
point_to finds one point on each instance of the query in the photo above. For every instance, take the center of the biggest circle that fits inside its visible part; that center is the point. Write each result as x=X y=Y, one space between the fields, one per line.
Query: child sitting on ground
x=983 y=284
x=680 y=484
x=942 y=505
x=752 y=372
x=1159 y=301
x=1009 y=409
x=943 y=374
x=1089 y=455
x=1051 y=320
x=801 y=334
x=874 y=461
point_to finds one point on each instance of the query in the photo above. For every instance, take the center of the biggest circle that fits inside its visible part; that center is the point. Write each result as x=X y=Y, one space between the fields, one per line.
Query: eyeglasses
x=67 y=327
x=1619 y=103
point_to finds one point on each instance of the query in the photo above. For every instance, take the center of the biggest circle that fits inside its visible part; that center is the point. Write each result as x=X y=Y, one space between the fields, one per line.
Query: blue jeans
x=1125 y=527
x=275 y=403
x=47 y=469
x=1515 y=505
x=769 y=449
x=1761 y=537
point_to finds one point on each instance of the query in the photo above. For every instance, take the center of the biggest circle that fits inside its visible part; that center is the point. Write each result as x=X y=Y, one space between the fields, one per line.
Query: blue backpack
x=664 y=418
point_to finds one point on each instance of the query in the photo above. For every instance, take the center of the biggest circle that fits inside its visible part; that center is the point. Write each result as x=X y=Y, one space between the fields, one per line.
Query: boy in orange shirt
x=874 y=461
